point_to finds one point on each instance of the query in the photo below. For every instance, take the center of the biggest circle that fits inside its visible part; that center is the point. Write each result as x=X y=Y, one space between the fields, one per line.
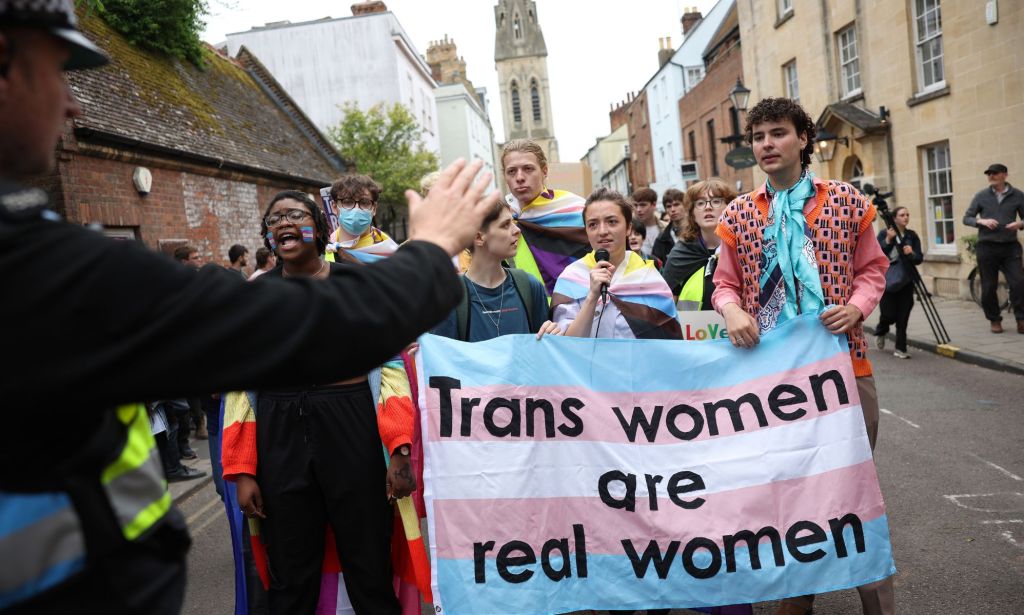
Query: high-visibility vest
x=42 y=542
x=692 y=295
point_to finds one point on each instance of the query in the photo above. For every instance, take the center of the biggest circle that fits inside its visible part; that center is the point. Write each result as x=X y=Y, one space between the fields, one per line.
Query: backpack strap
x=521 y=281
x=462 y=312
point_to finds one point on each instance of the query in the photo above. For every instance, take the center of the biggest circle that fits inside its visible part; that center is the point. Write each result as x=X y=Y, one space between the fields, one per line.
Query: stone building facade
x=922 y=94
x=520 y=57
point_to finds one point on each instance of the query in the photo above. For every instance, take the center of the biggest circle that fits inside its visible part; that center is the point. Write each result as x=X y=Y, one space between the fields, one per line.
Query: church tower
x=520 y=57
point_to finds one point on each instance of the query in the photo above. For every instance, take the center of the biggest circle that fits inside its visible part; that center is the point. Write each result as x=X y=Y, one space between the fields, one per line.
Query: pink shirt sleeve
x=728 y=278
x=869 y=267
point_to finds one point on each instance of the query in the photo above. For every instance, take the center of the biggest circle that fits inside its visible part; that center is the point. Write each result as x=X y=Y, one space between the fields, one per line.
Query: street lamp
x=739 y=96
x=825 y=145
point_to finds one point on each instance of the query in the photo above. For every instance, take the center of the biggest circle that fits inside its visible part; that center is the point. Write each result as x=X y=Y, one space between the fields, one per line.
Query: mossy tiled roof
x=220 y=112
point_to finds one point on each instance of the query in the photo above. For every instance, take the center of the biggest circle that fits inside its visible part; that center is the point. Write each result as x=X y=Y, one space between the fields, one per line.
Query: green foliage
x=166 y=26
x=386 y=144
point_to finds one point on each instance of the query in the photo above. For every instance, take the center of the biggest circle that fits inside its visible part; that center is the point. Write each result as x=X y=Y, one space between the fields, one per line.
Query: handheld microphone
x=602 y=255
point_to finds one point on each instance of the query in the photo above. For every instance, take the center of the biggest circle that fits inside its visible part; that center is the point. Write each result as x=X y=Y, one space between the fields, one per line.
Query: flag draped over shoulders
x=552 y=235
x=369 y=248
x=637 y=290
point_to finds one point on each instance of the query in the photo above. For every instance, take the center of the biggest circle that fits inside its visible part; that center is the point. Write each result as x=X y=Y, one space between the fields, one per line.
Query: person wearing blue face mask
x=354 y=201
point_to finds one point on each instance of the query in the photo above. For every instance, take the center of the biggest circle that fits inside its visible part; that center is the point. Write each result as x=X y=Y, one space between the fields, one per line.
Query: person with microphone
x=612 y=292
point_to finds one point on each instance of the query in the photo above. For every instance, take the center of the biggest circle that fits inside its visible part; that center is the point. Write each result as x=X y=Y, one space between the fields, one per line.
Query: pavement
x=186 y=489
x=970 y=338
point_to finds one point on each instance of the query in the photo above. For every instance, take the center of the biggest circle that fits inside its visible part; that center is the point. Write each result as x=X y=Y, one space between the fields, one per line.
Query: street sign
x=740 y=158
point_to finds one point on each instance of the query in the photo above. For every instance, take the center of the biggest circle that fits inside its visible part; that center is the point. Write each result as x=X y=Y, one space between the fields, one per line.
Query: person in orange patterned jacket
x=798 y=245
x=324 y=464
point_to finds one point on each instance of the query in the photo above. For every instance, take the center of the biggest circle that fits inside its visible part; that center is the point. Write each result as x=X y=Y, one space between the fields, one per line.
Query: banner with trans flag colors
x=572 y=473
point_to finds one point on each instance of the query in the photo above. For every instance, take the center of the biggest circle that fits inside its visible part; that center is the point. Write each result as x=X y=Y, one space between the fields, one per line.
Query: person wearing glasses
x=690 y=266
x=319 y=450
x=354 y=201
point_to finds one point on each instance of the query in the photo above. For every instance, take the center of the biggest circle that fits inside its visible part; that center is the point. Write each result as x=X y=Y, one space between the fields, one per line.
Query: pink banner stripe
x=854 y=489
x=602 y=425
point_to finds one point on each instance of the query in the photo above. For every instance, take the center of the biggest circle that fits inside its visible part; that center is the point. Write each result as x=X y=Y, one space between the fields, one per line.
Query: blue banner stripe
x=612 y=584
x=20 y=510
x=670 y=365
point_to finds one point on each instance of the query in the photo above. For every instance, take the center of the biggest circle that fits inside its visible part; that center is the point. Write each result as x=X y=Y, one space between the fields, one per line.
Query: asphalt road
x=950 y=459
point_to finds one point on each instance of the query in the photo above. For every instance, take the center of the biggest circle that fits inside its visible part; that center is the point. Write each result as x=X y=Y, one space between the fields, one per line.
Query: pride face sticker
x=270 y=240
x=307 y=234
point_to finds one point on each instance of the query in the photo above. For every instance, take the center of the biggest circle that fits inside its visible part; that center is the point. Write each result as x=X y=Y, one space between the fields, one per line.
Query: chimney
x=367 y=8
x=690 y=19
x=665 y=51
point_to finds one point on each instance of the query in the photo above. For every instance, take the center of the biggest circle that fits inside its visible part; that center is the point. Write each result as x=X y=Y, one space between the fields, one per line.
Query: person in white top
x=265 y=261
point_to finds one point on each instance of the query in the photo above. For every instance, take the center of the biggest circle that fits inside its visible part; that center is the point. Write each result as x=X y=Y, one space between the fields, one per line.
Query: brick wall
x=641 y=163
x=207 y=207
x=709 y=100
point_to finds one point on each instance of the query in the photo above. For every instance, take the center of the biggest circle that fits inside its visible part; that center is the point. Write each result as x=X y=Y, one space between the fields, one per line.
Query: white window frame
x=785 y=7
x=694 y=75
x=791 y=80
x=937 y=174
x=849 y=61
x=922 y=40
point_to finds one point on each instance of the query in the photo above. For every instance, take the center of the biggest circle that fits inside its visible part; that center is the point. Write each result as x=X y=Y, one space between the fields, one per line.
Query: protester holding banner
x=690 y=267
x=553 y=234
x=354 y=200
x=898 y=300
x=796 y=245
x=497 y=300
x=621 y=297
x=320 y=462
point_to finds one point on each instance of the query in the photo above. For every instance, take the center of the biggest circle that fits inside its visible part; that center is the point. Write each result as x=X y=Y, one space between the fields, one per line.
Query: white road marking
x=216 y=515
x=893 y=414
x=199 y=513
x=955 y=499
x=1008 y=537
x=1001 y=521
x=1000 y=468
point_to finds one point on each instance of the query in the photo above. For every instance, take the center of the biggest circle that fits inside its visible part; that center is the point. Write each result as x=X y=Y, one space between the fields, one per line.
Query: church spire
x=520 y=57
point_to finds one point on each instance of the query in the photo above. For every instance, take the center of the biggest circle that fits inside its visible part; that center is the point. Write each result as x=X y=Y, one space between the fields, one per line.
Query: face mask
x=355 y=221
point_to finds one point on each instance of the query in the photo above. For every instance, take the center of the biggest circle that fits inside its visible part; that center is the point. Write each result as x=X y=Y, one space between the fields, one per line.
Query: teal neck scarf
x=794 y=252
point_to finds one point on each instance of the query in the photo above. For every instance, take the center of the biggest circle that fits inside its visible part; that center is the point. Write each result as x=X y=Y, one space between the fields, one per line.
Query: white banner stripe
x=572 y=469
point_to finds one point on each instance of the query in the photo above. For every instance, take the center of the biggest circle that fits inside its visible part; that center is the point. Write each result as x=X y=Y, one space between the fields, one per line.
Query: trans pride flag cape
x=637 y=290
x=566 y=474
x=371 y=247
x=553 y=235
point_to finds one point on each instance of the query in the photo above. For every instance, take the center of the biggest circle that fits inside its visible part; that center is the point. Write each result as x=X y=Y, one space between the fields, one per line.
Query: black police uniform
x=87 y=323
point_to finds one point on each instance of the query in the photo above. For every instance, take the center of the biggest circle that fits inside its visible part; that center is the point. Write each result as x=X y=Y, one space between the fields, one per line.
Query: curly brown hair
x=718 y=187
x=352 y=187
x=778 y=109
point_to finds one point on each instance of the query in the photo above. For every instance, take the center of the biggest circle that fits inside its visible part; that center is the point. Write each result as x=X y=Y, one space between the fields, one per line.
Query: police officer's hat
x=58 y=18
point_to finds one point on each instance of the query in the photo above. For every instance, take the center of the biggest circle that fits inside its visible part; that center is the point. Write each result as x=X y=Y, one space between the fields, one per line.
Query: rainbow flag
x=566 y=474
x=637 y=290
x=553 y=235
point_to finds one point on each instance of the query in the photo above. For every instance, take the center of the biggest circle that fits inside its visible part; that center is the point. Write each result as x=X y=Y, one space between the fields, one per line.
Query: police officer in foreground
x=89 y=327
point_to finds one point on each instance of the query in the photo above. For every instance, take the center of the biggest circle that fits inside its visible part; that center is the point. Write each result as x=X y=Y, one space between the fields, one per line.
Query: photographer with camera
x=903 y=247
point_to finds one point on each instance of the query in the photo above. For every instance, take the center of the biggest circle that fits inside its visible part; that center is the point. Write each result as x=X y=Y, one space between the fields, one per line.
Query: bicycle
x=974 y=283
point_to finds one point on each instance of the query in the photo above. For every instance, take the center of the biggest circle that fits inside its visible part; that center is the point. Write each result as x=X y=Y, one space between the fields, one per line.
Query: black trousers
x=895 y=309
x=994 y=257
x=321 y=461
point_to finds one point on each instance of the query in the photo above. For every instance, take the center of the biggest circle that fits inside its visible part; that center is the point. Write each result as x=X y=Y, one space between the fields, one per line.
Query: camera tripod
x=920 y=290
